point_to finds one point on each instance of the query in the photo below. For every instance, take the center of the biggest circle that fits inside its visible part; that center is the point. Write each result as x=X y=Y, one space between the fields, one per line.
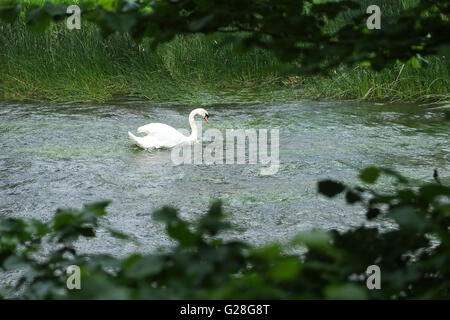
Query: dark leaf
x=447 y=115
x=137 y=267
x=330 y=188
x=352 y=197
x=372 y=213
x=10 y=13
x=97 y=208
x=432 y=191
x=166 y=214
x=180 y=232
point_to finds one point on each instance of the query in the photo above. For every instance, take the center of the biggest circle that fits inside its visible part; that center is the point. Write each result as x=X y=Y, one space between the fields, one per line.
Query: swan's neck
x=194 y=130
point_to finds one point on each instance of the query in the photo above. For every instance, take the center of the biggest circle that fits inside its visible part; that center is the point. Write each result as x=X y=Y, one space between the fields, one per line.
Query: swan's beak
x=206 y=119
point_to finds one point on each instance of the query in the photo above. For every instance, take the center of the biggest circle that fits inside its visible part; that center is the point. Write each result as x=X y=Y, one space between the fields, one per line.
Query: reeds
x=62 y=65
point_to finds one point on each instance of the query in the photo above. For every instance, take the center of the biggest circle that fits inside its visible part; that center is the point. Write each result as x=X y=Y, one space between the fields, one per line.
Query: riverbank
x=62 y=66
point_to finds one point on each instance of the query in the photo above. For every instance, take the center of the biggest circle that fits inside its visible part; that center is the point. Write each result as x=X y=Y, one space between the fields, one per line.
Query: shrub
x=413 y=255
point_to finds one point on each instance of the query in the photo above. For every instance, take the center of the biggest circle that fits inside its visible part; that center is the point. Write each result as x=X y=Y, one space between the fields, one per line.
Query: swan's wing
x=160 y=130
x=144 y=142
x=164 y=134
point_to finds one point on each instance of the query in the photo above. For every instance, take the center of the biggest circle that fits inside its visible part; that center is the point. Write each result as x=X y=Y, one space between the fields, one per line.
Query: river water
x=64 y=156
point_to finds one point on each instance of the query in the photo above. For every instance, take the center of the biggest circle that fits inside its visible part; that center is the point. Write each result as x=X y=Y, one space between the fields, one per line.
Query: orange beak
x=206 y=119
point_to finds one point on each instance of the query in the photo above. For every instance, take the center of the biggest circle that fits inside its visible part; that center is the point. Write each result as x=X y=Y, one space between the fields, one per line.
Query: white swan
x=160 y=135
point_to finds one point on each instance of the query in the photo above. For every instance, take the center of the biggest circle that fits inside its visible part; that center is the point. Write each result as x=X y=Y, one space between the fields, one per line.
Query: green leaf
x=414 y=62
x=408 y=218
x=432 y=191
x=286 y=269
x=109 y=4
x=55 y=10
x=270 y=252
x=345 y=292
x=137 y=267
x=15 y=262
x=97 y=208
x=199 y=24
x=317 y=240
x=37 y=19
x=12 y=225
x=121 y=22
x=180 y=232
x=212 y=223
x=38 y=228
x=98 y=286
x=370 y=175
x=166 y=214
x=177 y=229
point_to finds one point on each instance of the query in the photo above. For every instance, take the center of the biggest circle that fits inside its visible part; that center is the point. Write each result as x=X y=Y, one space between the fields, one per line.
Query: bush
x=413 y=255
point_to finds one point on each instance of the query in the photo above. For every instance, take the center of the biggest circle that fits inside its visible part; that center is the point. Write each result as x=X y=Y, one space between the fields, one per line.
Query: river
x=66 y=155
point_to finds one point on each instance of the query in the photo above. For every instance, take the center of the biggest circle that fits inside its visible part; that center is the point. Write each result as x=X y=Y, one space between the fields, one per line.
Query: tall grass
x=60 y=65
x=401 y=83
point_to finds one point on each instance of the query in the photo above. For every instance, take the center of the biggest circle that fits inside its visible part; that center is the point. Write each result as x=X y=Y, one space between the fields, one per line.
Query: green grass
x=60 y=66
x=401 y=83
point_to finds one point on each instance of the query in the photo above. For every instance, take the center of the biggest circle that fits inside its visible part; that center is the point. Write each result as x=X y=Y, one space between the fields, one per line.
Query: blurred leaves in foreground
x=414 y=256
x=293 y=30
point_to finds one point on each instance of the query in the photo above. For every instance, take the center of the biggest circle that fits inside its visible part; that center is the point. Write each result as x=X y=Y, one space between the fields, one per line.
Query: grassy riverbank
x=61 y=65
x=77 y=66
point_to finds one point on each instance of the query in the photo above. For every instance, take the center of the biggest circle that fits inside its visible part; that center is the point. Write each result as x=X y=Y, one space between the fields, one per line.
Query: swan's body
x=160 y=135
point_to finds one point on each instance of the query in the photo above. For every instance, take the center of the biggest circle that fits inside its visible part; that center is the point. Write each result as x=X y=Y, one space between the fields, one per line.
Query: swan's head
x=202 y=113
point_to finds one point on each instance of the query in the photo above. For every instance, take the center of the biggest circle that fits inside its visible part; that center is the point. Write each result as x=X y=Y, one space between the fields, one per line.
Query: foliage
x=292 y=29
x=61 y=65
x=413 y=256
